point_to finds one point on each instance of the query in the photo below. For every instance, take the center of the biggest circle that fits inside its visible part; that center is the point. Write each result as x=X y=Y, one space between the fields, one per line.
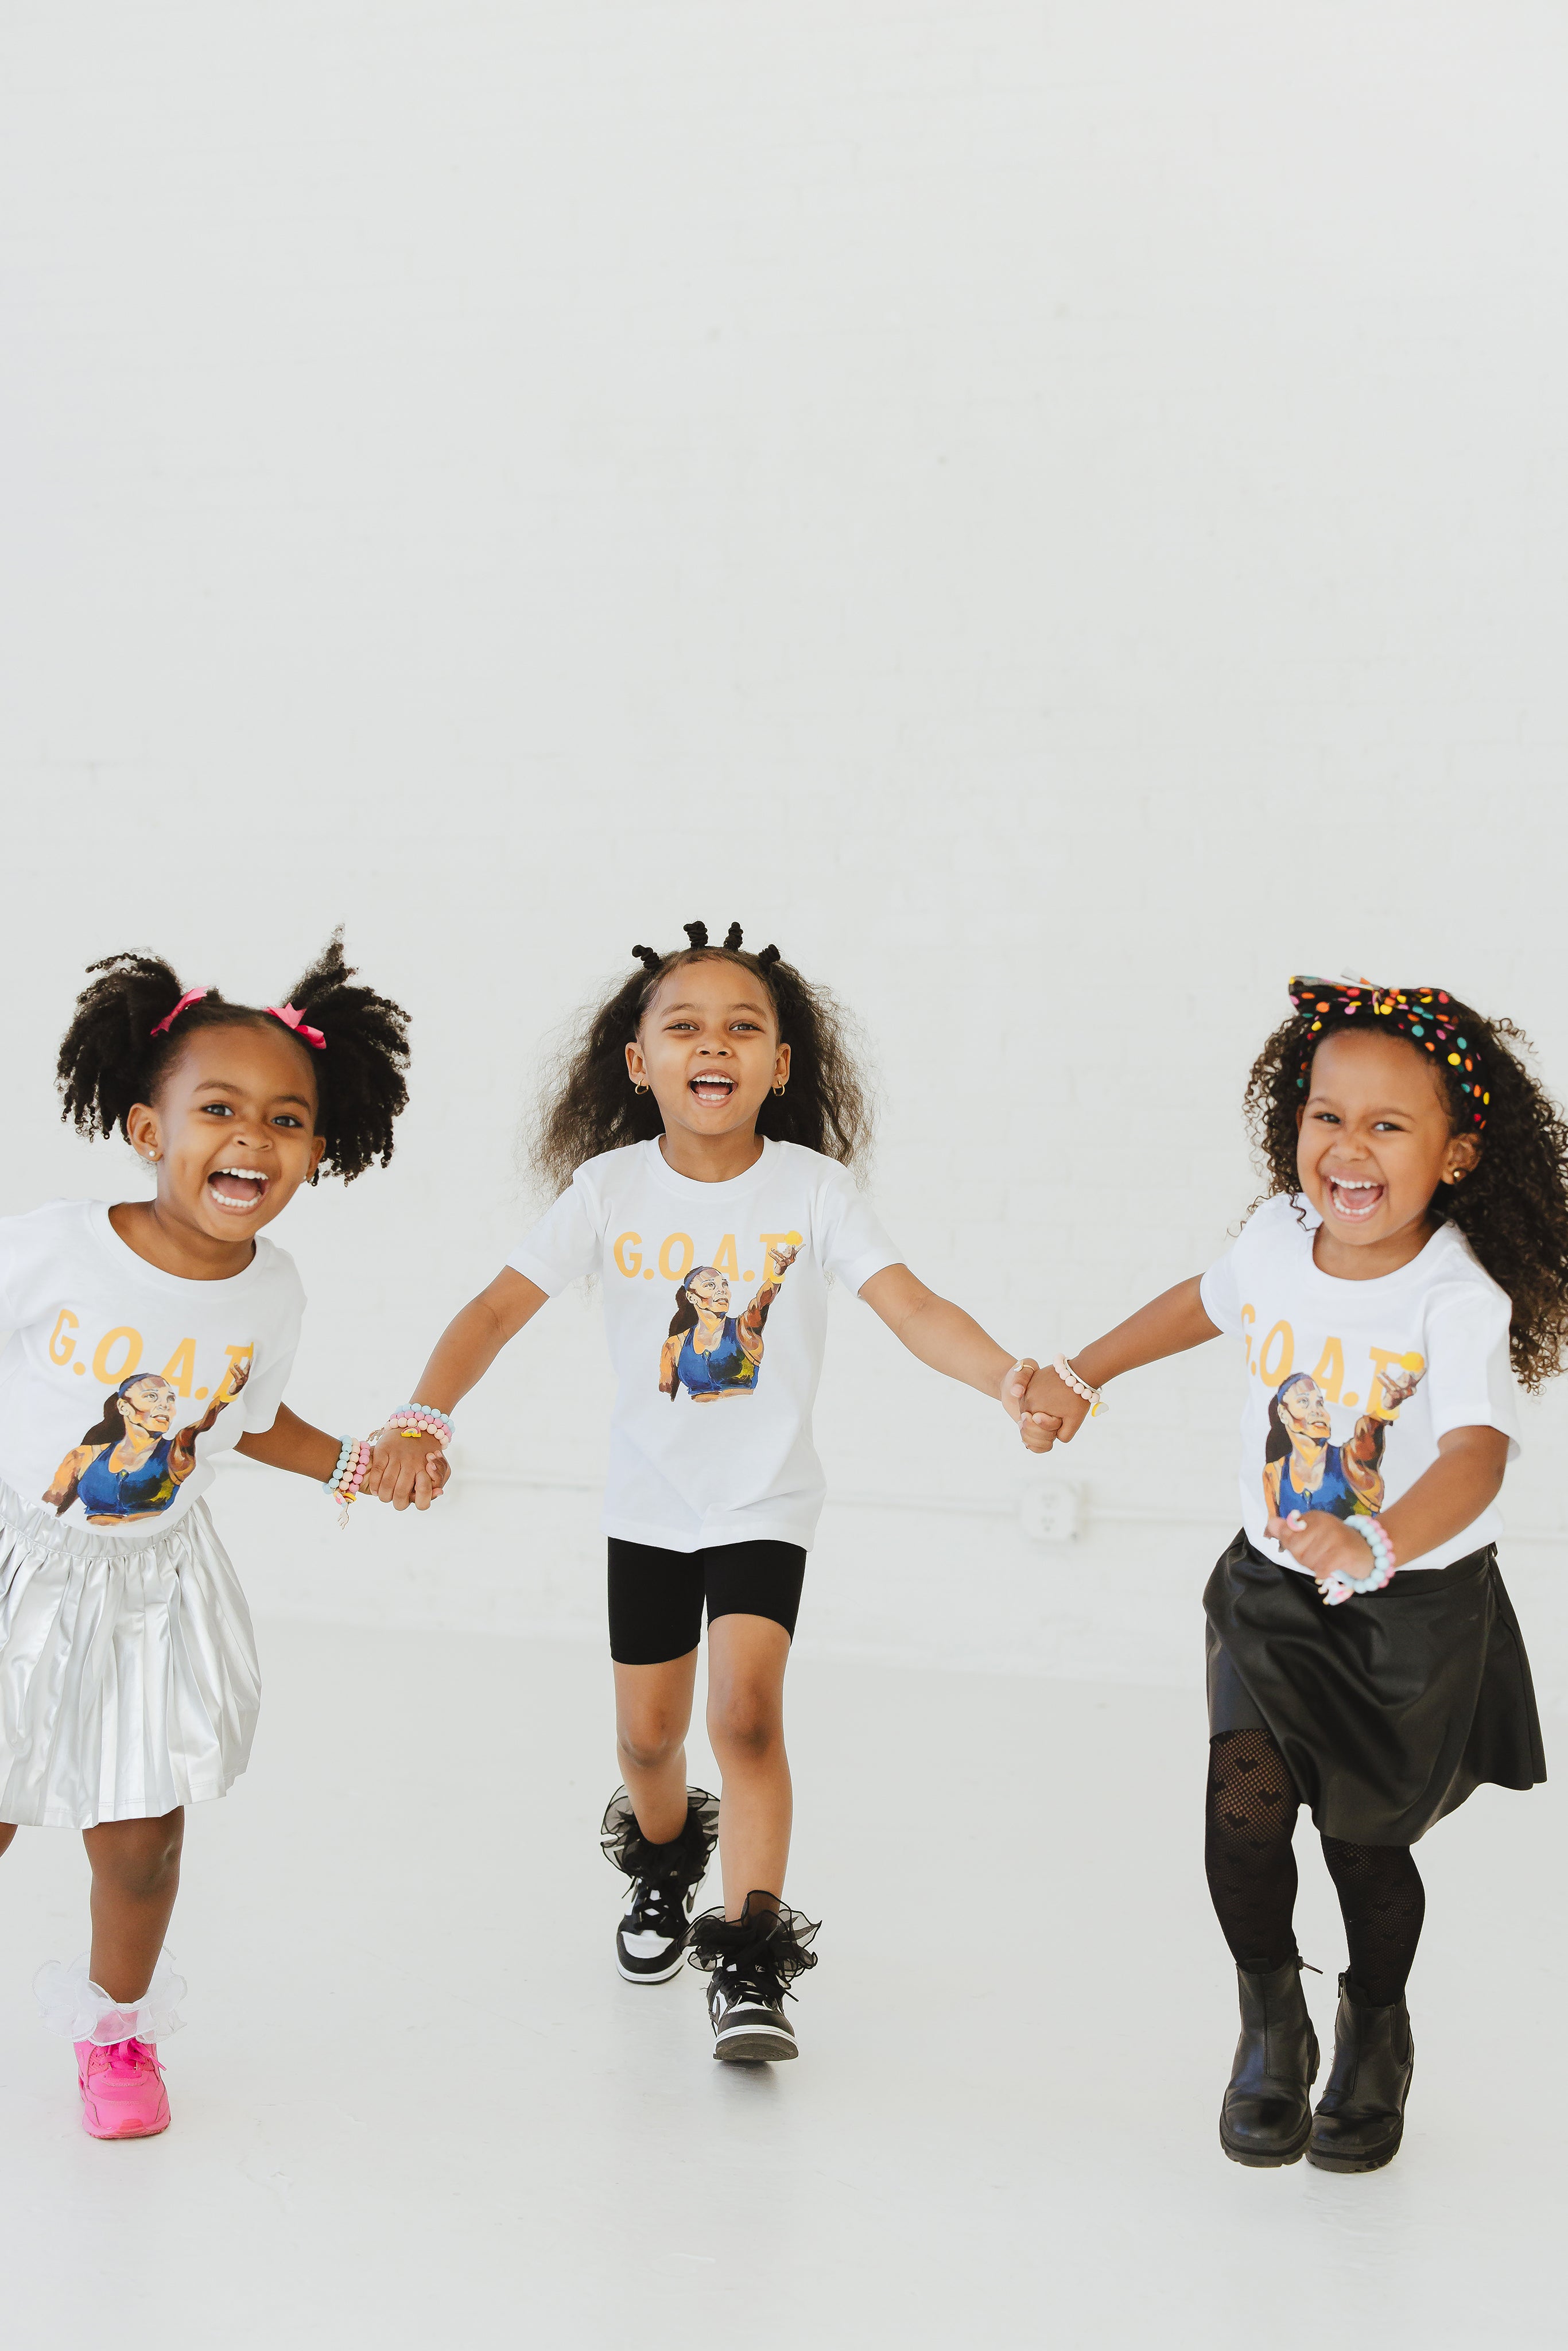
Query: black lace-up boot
x=651 y=1939
x=1360 y=2119
x=1266 y=2118
x=752 y=1960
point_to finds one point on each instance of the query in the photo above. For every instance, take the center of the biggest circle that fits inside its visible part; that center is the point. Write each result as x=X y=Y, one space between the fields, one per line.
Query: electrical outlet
x=1052 y=1511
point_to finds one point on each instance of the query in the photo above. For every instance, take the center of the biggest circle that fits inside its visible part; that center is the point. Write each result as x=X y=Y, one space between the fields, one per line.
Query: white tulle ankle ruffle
x=82 y=2010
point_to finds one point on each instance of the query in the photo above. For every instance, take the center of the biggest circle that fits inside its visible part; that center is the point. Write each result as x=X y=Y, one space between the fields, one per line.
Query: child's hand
x=1047 y=1399
x=406 y=1470
x=1038 y=1430
x=1320 y=1543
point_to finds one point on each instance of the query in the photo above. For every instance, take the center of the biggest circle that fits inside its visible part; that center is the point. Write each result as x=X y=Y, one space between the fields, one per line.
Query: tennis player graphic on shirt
x=710 y=1351
x=128 y=1467
x=1302 y=1471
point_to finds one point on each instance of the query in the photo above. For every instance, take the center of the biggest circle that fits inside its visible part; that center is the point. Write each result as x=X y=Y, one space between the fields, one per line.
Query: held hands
x=1038 y=1429
x=1048 y=1411
x=406 y=1467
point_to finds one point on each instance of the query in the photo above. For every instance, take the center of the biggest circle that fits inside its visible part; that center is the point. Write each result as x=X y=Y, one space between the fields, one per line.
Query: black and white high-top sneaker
x=651 y=1939
x=745 y=2009
x=751 y=1961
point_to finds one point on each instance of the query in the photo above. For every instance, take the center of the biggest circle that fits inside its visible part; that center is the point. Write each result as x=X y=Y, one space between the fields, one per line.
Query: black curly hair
x=1512 y=1207
x=110 y=1059
x=590 y=1105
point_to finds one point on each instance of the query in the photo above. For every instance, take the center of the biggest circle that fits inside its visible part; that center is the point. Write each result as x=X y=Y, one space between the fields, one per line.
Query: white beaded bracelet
x=1092 y=1397
x=1338 y=1587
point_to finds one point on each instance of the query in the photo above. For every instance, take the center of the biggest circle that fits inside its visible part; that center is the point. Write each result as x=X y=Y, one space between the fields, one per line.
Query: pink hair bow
x=191 y=995
x=292 y=1017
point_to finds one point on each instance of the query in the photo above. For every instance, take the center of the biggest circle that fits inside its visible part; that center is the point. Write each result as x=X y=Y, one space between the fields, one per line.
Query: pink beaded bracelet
x=419 y=1420
x=349 y=1474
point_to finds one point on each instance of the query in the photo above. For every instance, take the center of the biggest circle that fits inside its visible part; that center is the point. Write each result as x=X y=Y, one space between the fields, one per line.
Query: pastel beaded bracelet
x=343 y=1485
x=419 y=1420
x=1338 y=1587
x=1092 y=1397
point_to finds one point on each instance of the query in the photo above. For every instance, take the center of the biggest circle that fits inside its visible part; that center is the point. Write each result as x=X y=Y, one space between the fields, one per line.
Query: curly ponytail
x=361 y=1085
x=134 y=1017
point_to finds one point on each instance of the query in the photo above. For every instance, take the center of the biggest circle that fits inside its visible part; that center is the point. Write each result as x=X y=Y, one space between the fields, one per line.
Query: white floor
x=414 y=2105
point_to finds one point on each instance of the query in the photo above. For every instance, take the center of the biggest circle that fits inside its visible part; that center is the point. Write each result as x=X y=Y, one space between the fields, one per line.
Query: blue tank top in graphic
x=106 y=1493
x=727 y=1369
x=1335 y=1494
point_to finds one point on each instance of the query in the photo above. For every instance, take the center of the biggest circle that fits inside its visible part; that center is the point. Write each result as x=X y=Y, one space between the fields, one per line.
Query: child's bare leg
x=135 y=1877
x=746 y=1661
x=7 y=1831
x=652 y=1715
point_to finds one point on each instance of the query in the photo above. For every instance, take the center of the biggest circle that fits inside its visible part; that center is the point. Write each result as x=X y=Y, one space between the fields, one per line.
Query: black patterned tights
x=1251 y=1865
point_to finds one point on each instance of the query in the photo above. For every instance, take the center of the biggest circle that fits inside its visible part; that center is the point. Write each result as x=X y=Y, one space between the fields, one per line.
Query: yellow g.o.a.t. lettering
x=628 y=1253
x=674 y=1245
x=62 y=1345
x=105 y=1370
x=725 y=1260
x=180 y=1371
x=1249 y=1316
x=1330 y=1372
x=1281 y=1368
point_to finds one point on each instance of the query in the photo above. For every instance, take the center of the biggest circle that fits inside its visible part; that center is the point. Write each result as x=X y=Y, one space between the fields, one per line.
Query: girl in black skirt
x=1407 y=1264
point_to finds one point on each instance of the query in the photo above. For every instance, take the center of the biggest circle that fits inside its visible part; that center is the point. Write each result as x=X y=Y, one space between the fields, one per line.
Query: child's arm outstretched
x=943 y=1335
x=407 y=1469
x=294 y=1443
x=1168 y=1325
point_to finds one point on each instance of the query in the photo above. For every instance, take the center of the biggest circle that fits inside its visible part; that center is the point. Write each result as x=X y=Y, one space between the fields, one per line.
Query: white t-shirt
x=112 y=1367
x=715 y=1308
x=1350 y=1384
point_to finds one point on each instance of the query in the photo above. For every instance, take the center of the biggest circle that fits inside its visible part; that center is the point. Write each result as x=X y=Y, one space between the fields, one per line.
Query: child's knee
x=648 y=1745
x=142 y=1858
x=745 y=1723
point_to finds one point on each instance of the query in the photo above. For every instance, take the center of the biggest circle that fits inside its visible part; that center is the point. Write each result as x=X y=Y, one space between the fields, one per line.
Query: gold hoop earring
x=779 y=1087
x=640 y=1088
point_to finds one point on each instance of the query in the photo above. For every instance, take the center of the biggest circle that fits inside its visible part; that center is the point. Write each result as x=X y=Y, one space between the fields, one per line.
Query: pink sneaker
x=122 y=2093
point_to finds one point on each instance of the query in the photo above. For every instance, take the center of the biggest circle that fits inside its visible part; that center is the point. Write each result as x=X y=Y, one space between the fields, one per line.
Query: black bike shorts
x=656 y=1596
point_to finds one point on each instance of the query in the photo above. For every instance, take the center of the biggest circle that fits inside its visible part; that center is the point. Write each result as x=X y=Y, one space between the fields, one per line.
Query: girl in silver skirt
x=147 y=1338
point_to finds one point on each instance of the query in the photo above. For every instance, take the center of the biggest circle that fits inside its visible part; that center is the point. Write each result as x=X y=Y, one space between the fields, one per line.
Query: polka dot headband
x=1430 y=1017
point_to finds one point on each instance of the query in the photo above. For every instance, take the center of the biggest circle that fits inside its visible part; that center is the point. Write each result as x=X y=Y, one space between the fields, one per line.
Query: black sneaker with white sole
x=752 y=1960
x=651 y=1939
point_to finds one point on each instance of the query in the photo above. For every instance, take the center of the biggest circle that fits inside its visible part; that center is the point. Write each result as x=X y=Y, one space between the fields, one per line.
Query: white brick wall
x=1054 y=515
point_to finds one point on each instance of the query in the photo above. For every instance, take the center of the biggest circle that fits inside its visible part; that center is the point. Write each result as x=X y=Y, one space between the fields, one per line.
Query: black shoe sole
x=1322 y=2162
x=754 y=2049
x=1256 y=2162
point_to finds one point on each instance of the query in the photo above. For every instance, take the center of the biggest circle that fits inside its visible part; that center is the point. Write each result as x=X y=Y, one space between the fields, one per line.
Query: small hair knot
x=696 y=933
x=649 y=957
x=732 y=938
x=769 y=954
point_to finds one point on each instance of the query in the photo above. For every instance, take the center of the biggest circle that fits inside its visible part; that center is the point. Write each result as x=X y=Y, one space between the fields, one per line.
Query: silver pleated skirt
x=127 y=1669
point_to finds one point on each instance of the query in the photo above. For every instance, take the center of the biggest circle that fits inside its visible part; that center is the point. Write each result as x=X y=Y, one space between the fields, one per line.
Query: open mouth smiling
x=712 y=1087
x=1355 y=1197
x=237 y=1190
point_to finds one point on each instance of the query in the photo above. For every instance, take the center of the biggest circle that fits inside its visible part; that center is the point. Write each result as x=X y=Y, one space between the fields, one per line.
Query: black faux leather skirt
x=1388 y=1710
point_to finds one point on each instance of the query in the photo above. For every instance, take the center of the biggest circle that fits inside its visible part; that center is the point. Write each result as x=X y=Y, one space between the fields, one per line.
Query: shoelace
x=749 y=1986
x=649 y=1896
x=126 y=2057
